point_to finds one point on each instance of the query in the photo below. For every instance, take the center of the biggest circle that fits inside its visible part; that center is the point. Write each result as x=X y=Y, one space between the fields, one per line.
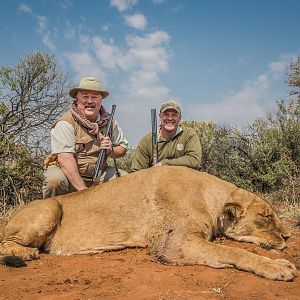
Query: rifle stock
x=154 y=136
x=101 y=156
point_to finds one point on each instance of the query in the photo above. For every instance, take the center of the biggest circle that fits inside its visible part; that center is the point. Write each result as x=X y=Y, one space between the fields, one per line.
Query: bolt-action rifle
x=100 y=160
x=154 y=136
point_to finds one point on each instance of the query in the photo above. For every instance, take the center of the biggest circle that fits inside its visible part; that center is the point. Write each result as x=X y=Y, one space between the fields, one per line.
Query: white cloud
x=145 y=84
x=85 y=65
x=147 y=52
x=138 y=95
x=65 y=4
x=48 y=41
x=109 y=55
x=150 y=40
x=25 y=8
x=44 y=32
x=178 y=8
x=123 y=5
x=151 y=58
x=105 y=27
x=277 y=68
x=42 y=29
x=42 y=23
x=245 y=105
x=69 y=31
x=137 y=21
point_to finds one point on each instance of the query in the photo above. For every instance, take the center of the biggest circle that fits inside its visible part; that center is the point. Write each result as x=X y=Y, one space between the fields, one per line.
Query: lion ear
x=232 y=211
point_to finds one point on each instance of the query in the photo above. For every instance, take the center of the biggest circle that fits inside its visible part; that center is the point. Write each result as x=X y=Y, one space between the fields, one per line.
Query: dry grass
x=6 y=212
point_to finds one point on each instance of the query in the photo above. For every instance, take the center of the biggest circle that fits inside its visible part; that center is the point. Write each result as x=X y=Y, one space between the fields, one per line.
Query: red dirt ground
x=130 y=274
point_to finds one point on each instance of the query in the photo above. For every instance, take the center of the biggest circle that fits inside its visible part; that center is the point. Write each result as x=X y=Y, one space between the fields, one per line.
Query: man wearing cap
x=76 y=140
x=177 y=145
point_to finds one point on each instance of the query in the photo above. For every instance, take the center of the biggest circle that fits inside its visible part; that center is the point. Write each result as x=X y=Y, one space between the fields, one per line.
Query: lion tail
x=12 y=261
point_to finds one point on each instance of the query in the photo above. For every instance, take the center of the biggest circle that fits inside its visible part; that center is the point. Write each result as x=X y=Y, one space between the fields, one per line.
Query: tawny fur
x=174 y=211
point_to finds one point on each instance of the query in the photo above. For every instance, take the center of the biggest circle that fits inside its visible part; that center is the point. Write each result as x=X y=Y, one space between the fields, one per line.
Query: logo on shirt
x=180 y=147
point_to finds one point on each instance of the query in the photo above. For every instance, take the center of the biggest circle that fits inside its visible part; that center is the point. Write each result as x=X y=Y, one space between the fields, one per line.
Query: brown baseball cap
x=170 y=105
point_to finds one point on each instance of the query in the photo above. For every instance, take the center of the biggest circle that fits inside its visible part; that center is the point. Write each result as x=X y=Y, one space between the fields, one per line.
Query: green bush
x=21 y=174
x=123 y=163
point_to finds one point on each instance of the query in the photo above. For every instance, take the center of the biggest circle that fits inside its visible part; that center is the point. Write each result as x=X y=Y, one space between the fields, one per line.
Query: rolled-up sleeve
x=118 y=138
x=62 y=138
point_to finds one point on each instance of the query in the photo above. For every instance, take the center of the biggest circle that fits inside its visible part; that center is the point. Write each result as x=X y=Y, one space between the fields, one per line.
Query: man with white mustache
x=76 y=140
x=177 y=145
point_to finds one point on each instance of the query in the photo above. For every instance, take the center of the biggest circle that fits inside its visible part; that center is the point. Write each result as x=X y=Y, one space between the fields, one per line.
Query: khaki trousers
x=56 y=182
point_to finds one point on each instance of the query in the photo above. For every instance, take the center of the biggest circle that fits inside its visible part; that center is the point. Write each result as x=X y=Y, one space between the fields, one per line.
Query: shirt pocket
x=86 y=168
x=84 y=144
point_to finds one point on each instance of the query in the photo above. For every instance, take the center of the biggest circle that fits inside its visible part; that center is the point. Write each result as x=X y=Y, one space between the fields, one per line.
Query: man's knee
x=55 y=182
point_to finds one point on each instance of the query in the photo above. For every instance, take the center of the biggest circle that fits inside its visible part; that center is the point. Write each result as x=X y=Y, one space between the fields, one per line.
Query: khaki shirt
x=68 y=136
x=184 y=149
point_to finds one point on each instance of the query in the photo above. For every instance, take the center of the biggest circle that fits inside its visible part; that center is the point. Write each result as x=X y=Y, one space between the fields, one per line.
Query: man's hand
x=105 y=143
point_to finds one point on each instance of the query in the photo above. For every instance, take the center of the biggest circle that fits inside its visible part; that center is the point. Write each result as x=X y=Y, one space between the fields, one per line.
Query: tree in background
x=33 y=94
x=276 y=142
x=294 y=77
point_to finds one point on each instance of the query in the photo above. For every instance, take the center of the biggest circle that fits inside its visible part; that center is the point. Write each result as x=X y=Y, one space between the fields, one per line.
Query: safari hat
x=172 y=105
x=88 y=84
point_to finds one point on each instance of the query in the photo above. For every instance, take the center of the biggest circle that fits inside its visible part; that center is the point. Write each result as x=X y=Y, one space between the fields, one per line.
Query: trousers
x=56 y=183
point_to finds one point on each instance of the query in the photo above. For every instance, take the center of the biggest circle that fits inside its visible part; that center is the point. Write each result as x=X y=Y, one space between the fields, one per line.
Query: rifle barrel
x=96 y=175
x=154 y=135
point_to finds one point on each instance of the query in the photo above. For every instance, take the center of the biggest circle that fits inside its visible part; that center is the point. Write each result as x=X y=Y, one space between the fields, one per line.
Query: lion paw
x=14 y=249
x=279 y=269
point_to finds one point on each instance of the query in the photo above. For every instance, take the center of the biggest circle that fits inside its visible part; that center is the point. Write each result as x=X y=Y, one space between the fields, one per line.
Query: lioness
x=174 y=211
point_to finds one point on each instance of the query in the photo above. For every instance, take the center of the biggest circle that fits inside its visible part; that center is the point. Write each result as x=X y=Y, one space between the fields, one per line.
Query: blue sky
x=224 y=60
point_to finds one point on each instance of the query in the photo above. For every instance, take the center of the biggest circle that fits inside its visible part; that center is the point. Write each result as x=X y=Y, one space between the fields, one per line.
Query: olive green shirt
x=184 y=149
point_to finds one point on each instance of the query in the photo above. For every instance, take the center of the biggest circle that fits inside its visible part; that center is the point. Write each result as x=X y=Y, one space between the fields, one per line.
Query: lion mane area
x=175 y=212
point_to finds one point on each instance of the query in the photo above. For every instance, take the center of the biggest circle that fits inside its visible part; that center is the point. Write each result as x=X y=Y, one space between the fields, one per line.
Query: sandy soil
x=130 y=274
